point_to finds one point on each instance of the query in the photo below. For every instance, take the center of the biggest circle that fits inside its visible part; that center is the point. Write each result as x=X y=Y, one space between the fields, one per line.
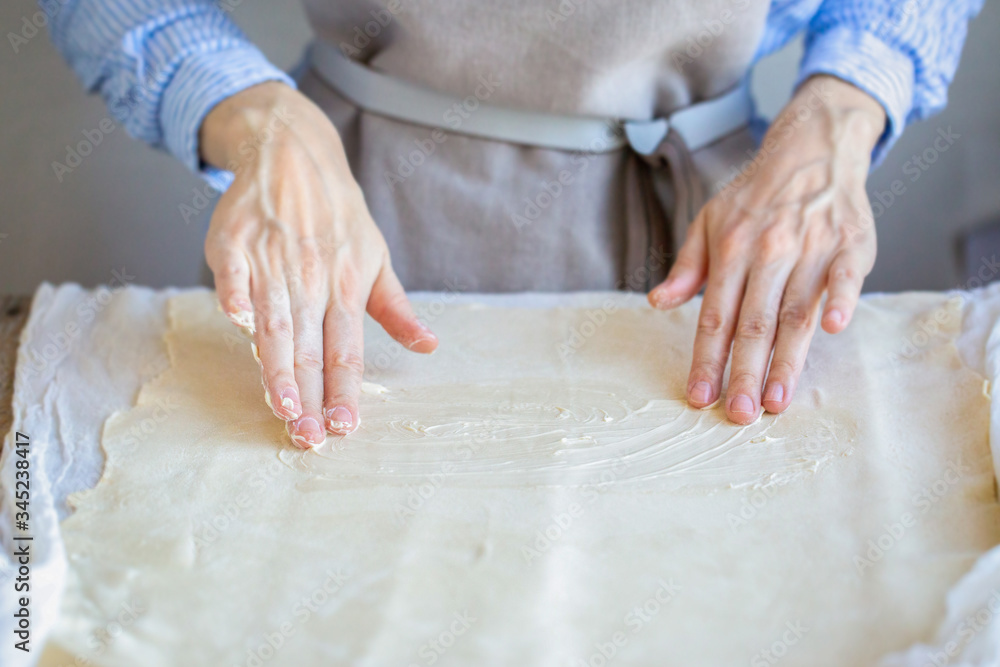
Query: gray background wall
x=119 y=208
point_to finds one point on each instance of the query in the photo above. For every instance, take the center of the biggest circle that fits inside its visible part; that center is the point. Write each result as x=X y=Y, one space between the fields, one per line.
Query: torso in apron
x=469 y=214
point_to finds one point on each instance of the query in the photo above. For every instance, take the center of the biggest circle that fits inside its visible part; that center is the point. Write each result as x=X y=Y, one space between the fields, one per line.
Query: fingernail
x=701 y=392
x=305 y=432
x=741 y=404
x=423 y=326
x=775 y=393
x=339 y=420
x=835 y=316
x=256 y=352
x=290 y=403
x=423 y=339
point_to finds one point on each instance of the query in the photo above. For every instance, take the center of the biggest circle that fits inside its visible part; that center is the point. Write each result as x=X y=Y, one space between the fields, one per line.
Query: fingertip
x=741 y=409
x=701 y=394
x=305 y=433
x=341 y=420
x=834 y=320
x=424 y=344
x=776 y=398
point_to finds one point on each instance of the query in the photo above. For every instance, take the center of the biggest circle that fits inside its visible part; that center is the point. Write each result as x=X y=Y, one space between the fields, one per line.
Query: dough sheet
x=537 y=493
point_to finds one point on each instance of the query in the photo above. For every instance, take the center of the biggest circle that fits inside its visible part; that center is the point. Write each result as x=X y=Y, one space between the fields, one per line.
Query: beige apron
x=470 y=214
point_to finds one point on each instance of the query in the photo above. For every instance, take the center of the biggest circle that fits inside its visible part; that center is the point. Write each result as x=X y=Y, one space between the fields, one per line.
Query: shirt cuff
x=203 y=80
x=864 y=60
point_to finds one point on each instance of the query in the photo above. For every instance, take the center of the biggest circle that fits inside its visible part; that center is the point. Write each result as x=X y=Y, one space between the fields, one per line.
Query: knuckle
x=711 y=322
x=732 y=245
x=308 y=360
x=707 y=369
x=775 y=243
x=274 y=326
x=796 y=317
x=347 y=358
x=783 y=368
x=745 y=379
x=755 y=327
x=844 y=273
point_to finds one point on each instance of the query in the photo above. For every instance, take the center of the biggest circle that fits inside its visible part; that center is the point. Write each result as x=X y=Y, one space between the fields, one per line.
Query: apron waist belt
x=697 y=125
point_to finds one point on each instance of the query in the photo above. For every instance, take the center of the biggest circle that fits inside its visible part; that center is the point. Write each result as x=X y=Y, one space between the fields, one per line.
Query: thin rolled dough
x=537 y=493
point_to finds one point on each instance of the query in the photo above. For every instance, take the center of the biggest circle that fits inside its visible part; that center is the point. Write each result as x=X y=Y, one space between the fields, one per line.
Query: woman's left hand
x=766 y=250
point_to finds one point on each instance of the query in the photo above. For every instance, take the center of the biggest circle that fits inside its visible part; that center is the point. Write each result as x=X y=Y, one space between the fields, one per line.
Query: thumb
x=389 y=306
x=688 y=272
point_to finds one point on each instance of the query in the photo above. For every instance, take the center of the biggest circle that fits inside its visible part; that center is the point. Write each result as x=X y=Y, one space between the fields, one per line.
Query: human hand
x=297 y=257
x=766 y=250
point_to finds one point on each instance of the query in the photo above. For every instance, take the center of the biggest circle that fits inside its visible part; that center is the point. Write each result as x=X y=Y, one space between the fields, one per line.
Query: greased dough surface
x=536 y=493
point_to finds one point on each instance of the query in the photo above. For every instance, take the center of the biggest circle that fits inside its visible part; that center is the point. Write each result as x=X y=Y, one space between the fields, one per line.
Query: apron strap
x=699 y=124
x=654 y=144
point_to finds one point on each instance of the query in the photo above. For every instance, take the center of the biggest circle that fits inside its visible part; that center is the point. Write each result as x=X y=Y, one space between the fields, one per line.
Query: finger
x=755 y=334
x=796 y=326
x=716 y=322
x=273 y=337
x=307 y=323
x=688 y=272
x=343 y=344
x=389 y=306
x=844 y=281
x=232 y=287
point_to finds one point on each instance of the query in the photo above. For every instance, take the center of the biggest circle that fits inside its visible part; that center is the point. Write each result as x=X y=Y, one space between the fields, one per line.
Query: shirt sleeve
x=160 y=65
x=904 y=54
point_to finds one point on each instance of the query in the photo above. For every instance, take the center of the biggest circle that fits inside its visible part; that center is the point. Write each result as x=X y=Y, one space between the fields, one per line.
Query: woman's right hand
x=296 y=254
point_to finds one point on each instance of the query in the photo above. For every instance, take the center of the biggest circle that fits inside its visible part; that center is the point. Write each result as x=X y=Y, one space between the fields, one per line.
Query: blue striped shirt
x=161 y=65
